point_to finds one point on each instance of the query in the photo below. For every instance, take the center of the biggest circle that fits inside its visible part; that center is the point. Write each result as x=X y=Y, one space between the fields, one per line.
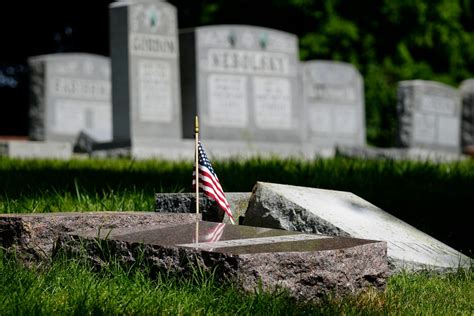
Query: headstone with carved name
x=429 y=115
x=242 y=81
x=334 y=99
x=69 y=93
x=145 y=73
x=467 y=123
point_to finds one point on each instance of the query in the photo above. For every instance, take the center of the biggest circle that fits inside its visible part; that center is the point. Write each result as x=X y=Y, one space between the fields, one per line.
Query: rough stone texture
x=33 y=235
x=334 y=101
x=186 y=203
x=339 y=213
x=399 y=154
x=35 y=149
x=467 y=123
x=429 y=115
x=323 y=265
x=70 y=92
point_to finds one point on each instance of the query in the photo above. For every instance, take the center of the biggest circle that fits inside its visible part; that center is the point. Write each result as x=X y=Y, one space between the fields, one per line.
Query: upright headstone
x=467 y=123
x=242 y=81
x=70 y=93
x=145 y=73
x=429 y=115
x=334 y=100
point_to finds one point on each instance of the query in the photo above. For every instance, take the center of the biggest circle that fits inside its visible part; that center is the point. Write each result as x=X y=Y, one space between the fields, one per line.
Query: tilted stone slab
x=338 y=213
x=32 y=236
x=306 y=265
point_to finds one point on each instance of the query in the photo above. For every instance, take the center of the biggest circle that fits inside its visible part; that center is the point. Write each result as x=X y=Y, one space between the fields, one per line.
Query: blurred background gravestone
x=334 y=101
x=145 y=74
x=467 y=123
x=69 y=93
x=242 y=81
x=429 y=115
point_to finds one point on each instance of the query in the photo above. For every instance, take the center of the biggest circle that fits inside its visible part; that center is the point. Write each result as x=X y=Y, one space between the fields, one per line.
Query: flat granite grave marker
x=338 y=213
x=242 y=81
x=467 y=123
x=145 y=73
x=334 y=100
x=306 y=265
x=429 y=115
x=69 y=93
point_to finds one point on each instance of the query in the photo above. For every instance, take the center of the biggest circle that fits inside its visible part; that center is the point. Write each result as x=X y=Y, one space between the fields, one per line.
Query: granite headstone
x=242 y=81
x=429 y=115
x=334 y=100
x=308 y=266
x=145 y=72
x=467 y=123
x=70 y=92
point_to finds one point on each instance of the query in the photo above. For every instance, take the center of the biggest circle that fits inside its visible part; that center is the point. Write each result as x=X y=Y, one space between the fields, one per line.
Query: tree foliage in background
x=387 y=41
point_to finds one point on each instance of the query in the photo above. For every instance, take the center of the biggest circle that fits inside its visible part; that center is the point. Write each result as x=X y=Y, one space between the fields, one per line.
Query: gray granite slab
x=243 y=82
x=334 y=102
x=467 y=124
x=338 y=213
x=32 y=236
x=145 y=72
x=186 y=203
x=308 y=266
x=429 y=115
x=35 y=149
x=69 y=93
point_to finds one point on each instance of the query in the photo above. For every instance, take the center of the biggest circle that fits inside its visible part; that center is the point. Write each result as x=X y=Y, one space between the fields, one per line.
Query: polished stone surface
x=231 y=239
x=307 y=265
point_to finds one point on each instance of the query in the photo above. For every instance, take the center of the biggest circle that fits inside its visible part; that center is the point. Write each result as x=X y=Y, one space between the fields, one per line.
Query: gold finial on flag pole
x=196 y=157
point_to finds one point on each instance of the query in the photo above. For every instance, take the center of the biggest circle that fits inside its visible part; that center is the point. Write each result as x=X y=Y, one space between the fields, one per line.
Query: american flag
x=209 y=183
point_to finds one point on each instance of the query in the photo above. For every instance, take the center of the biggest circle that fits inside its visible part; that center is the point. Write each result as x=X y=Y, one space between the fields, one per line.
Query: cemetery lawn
x=71 y=287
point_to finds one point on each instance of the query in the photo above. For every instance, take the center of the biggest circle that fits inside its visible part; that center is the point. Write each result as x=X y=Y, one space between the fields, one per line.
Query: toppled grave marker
x=306 y=265
x=338 y=213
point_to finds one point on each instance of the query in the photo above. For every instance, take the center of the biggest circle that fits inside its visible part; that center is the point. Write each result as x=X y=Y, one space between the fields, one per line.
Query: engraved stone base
x=307 y=266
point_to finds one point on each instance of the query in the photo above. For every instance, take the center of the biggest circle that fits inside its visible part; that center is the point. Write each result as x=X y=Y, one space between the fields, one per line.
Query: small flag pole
x=196 y=157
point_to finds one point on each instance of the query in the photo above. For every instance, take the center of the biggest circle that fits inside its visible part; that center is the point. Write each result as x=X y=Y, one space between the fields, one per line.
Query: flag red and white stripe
x=209 y=183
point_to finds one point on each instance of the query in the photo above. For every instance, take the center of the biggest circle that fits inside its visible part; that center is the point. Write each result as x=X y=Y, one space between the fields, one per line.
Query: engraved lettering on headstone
x=155 y=99
x=332 y=92
x=148 y=45
x=227 y=100
x=424 y=127
x=249 y=62
x=448 y=130
x=272 y=103
x=71 y=116
x=80 y=88
x=437 y=104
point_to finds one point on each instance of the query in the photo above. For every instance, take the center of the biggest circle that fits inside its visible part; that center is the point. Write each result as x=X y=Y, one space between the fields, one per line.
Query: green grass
x=72 y=288
x=435 y=198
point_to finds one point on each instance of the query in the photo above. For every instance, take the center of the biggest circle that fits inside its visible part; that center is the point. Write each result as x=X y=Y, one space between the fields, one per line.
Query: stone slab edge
x=305 y=275
x=32 y=236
